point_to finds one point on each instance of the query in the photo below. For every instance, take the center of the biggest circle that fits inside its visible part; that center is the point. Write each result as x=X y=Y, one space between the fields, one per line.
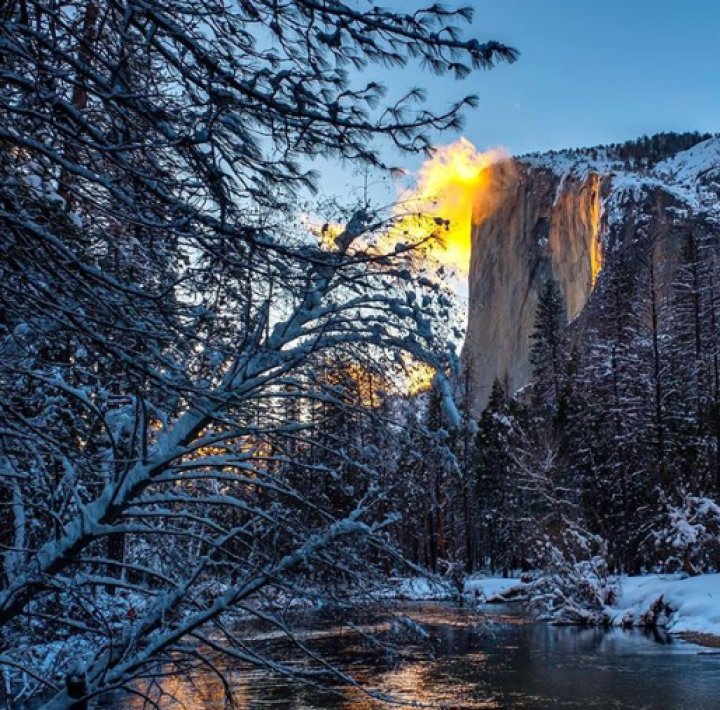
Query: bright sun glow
x=454 y=190
x=419 y=378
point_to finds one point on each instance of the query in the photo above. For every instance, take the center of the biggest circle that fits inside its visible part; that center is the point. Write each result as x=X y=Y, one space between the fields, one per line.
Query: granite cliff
x=562 y=215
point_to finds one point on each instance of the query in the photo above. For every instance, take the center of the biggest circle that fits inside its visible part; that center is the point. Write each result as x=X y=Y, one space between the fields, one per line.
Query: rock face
x=559 y=216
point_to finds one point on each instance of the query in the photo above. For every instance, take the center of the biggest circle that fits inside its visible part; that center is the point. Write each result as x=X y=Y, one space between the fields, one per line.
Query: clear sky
x=590 y=72
x=597 y=71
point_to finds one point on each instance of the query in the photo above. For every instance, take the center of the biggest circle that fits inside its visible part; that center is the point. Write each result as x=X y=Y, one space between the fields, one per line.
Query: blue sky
x=589 y=73
x=597 y=72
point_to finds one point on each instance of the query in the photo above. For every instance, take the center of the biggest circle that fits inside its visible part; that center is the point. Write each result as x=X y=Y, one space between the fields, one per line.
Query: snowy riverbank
x=681 y=606
x=492 y=589
x=687 y=606
x=479 y=589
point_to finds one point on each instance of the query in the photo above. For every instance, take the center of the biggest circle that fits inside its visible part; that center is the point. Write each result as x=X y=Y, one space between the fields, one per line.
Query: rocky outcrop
x=539 y=230
x=558 y=216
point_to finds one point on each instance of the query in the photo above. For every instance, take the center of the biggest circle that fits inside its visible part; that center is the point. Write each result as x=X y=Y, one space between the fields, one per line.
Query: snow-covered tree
x=499 y=498
x=164 y=326
x=549 y=348
x=687 y=537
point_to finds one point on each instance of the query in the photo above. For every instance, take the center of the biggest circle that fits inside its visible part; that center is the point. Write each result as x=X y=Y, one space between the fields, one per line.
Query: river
x=495 y=659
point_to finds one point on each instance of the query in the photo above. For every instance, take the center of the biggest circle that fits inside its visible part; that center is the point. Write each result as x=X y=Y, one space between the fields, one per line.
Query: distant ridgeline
x=647 y=149
x=646 y=211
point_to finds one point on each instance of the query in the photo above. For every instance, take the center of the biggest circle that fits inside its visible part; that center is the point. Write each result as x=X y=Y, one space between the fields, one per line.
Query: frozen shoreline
x=479 y=589
x=688 y=607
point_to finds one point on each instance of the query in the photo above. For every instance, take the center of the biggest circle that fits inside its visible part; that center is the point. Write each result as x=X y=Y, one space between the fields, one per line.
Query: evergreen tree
x=498 y=496
x=689 y=335
x=548 y=351
x=464 y=514
x=433 y=473
x=604 y=451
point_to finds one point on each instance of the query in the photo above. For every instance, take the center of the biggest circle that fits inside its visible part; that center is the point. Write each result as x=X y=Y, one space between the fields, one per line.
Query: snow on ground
x=692 y=176
x=690 y=165
x=418 y=589
x=489 y=588
x=681 y=605
x=693 y=602
x=425 y=589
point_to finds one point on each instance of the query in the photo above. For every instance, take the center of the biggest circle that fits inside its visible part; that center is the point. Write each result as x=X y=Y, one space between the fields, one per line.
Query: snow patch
x=692 y=603
x=419 y=589
x=489 y=589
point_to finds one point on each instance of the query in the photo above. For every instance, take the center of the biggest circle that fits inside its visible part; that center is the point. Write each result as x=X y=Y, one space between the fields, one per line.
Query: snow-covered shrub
x=573 y=585
x=689 y=539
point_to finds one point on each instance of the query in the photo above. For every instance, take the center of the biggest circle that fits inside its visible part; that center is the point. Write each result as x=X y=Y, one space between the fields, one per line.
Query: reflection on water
x=495 y=660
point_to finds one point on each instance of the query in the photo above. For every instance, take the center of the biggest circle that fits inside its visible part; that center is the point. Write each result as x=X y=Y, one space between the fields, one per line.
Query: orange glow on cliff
x=596 y=255
x=454 y=191
x=596 y=258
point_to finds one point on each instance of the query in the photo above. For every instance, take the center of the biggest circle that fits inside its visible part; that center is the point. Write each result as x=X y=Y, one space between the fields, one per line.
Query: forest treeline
x=612 y=451
x=645 y=151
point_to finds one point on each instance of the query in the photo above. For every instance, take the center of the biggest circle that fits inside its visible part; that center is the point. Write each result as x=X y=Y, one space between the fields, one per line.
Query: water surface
x=496 y=659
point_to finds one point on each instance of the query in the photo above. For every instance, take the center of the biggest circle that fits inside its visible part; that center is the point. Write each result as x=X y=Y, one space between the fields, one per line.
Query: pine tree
x=689 y=333
x=499 y=504
x=465 y=530
x=434 y=465
x=549 y=348
x=605 y=455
